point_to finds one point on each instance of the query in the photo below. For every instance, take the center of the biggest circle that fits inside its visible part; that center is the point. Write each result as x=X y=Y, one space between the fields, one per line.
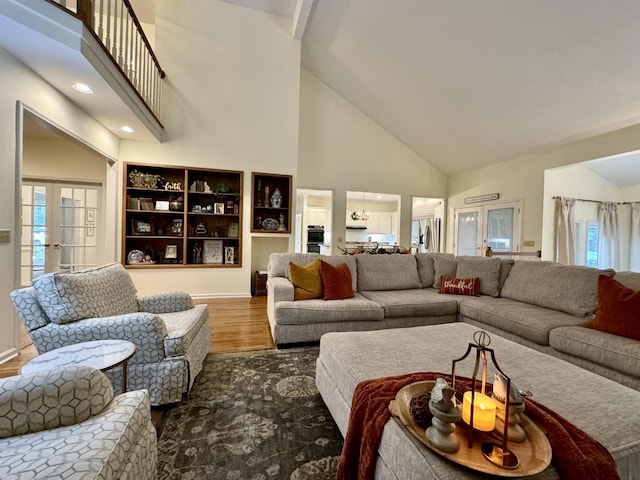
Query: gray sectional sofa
x=539 y=304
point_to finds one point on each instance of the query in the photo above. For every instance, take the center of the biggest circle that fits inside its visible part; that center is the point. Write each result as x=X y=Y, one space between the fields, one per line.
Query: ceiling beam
x=300 y=17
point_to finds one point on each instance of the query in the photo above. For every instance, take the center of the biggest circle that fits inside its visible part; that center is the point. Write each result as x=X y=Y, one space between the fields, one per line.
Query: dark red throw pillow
x=336 y=281
x=460 y=286
x=618 y=309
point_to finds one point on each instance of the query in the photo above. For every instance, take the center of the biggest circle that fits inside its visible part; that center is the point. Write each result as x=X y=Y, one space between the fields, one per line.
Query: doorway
x=61 y=228
x=313 y=224
x=496 y=226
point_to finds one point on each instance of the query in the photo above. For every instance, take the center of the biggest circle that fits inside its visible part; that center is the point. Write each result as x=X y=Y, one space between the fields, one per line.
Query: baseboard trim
x=9 y=354
x=204 y=296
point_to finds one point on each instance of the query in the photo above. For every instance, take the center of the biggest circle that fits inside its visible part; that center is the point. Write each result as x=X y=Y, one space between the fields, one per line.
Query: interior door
x=61 y=228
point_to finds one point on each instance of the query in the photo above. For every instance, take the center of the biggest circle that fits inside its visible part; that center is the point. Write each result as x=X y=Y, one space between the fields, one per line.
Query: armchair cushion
x=50 y=399
x=98 y=292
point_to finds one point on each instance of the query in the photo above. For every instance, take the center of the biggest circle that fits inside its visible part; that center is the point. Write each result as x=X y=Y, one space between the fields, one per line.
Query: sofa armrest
x=145 y=330
x=52 y=398
x=279 y=289
x=165 y=302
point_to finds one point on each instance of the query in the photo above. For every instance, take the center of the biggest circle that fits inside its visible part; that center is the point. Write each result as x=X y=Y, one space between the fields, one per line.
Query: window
x=592 y=244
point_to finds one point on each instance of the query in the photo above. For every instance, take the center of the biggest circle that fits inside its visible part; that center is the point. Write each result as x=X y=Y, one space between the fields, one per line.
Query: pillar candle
x=484 y=412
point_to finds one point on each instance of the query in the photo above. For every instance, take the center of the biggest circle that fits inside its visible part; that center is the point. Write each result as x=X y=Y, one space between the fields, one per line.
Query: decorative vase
x=276 y=199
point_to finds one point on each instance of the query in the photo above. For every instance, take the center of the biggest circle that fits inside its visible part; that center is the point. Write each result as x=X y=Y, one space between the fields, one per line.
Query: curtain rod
x=597 y=201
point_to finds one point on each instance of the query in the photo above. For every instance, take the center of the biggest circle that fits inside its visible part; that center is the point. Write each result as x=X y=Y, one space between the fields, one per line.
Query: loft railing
x=116 y=26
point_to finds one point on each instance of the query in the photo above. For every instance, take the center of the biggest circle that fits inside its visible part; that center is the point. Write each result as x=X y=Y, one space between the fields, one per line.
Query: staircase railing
x=116 y=26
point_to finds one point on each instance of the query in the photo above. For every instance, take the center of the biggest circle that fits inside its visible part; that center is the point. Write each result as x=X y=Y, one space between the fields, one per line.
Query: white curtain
x=634 y=250
x=608 y=256
x=565 y=231
x=434 y=235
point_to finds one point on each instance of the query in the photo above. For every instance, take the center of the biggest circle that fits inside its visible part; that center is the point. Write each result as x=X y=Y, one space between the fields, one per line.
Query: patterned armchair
x=66 y=423
x=171 y=335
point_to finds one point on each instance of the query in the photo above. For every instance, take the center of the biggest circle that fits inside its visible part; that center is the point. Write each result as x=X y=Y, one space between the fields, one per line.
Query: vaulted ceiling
x=466 y=83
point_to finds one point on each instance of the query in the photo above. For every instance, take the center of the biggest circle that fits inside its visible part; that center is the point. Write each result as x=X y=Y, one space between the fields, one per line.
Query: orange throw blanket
x=575 y=454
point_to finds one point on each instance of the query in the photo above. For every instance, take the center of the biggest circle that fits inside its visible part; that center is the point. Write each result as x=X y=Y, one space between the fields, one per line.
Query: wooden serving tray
x=534 y=453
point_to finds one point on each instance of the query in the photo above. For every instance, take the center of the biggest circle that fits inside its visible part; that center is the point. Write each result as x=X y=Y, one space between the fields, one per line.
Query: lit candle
x=484 y=411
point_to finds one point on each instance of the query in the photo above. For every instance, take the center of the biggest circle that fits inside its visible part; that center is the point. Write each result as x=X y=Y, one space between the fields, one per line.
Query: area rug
x=251 y=416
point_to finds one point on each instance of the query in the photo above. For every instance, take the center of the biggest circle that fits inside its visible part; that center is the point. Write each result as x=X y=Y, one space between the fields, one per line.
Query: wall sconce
x=479 y=410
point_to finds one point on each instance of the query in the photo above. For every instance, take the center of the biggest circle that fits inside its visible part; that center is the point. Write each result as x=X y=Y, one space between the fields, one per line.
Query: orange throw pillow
x=336 y=281
x=306 y=280
x=460 y=286
x=618 y=309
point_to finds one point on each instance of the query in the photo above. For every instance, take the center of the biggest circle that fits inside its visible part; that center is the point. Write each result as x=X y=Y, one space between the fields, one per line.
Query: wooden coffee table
x=100 y=354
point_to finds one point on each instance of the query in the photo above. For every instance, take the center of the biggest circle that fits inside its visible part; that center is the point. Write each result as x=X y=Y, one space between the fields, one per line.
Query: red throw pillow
x=336 y=281
x=460 y=286
x=618 y=309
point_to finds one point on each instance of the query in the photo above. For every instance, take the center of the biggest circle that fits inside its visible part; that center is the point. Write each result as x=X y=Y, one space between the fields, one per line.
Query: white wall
x=523 y=178
x=341 y=149
x=230 y=102
x=18 y=83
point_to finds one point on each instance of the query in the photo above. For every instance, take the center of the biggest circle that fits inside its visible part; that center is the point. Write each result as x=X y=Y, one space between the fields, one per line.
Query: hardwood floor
x=237 y=325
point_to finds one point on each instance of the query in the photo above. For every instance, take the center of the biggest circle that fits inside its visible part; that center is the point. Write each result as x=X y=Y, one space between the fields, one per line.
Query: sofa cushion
x=319 y=311
x=628 y=279
x=53 y=398
x=619 y=353
x=279 y=262
x=349 y=260
x=567 y=288
x=99 y=292
x=412 y=303
x=426 y=271
x=486 y=268
x=387 y=272
x=618 y=309
x=336 y=281
x=525 y=320
x=460 y=286
x=506 y=264
x=443 y=265
x=306 y=280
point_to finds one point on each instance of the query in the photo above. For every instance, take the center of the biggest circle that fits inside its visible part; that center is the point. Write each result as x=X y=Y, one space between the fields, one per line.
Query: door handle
x=47 y=245
x=56 y=245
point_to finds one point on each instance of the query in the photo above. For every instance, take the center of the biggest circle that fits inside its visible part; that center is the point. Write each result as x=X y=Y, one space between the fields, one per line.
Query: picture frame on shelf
x=229 y=255
x=218 y=208
x=212 y=251
x=176 y=226
x=146 y=204
x=162 y=205
x=171 y=252
x=141 y=227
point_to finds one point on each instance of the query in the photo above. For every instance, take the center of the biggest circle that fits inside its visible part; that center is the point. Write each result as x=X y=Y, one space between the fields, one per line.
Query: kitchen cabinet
x=317 y=216
x=179 y=217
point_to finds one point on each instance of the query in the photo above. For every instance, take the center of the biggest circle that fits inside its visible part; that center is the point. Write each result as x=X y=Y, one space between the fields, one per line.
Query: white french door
x=496 y=226
x=61 y=228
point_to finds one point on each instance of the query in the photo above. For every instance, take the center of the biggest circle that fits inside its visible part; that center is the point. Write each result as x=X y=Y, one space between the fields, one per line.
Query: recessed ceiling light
x=378 y=197
x=127 y=129
x=82 y=88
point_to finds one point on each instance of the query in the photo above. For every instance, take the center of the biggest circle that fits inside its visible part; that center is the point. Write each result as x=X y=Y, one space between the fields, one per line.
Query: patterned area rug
x=251 y=416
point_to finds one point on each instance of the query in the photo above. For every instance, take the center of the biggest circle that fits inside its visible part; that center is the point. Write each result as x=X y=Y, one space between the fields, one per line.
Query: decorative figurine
x=276 y=198
x=282 y=227
x=440 y=433
x=266 y=196
x=201 y=229
x=515 y=432
x=196 y=253
x=259 y=201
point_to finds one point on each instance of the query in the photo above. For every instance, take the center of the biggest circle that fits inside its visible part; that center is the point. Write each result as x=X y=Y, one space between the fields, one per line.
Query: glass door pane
x=34 y=235
x=468 y=226
x=500 y=229
x=77 y=227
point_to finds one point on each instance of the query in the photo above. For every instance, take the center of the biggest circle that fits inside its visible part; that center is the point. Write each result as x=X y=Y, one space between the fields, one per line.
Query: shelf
x=168 y=235
x=271 y=202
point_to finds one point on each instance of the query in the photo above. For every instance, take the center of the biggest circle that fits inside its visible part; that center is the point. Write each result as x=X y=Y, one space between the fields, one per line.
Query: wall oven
x=315 y=238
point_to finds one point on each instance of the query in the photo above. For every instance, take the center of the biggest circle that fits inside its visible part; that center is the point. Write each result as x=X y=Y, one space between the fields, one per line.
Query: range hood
x=356 y=227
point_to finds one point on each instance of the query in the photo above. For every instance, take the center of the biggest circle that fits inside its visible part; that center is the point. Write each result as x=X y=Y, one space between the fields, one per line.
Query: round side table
x=99 y=354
